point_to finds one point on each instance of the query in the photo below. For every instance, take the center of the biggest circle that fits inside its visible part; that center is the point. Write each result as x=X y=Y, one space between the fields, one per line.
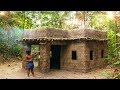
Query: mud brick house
x=78 y=50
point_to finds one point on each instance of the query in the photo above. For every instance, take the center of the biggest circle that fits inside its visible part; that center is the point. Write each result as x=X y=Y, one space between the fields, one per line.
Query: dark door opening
x=55 y=57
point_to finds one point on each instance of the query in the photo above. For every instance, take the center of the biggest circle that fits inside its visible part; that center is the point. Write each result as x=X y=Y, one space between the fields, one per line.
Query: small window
x=91 y=55
x=74 y=55
x=102 y=53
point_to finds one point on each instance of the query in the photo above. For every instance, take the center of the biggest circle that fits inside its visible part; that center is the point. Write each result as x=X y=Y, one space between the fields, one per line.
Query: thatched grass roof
x=59 y=34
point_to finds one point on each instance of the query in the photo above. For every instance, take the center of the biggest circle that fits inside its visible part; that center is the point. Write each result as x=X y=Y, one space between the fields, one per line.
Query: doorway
x=55 y=57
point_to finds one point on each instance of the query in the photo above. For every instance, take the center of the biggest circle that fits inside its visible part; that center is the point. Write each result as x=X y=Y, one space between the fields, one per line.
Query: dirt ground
x=13 y=70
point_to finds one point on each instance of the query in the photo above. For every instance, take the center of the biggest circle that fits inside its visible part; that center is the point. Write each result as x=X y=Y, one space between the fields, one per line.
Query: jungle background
x=13 y=24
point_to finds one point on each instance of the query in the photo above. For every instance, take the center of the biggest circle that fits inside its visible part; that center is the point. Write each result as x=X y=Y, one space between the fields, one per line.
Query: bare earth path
x=13 y=70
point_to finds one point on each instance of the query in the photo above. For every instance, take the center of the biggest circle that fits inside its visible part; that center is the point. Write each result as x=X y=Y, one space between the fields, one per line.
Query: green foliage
x=111 y=44
x=117 y=63
x=54 y=19
x=113 y=75
x=15 y=18
x=35 y=49
x=106 y=74
x=8 y=46
x=102 y=22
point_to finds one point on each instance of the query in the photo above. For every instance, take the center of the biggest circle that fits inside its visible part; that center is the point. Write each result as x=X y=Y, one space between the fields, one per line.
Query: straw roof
x=60 y=34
